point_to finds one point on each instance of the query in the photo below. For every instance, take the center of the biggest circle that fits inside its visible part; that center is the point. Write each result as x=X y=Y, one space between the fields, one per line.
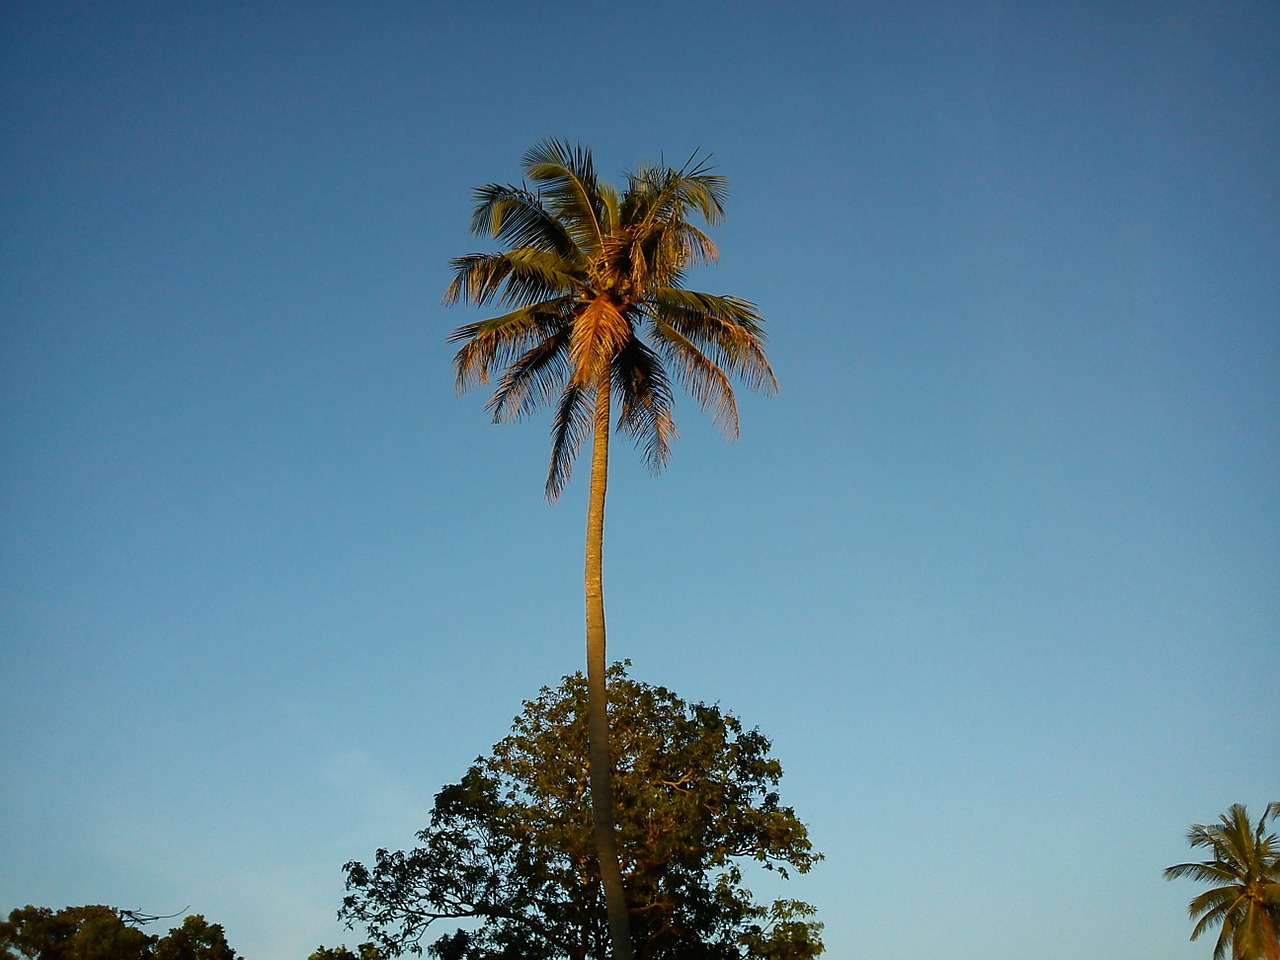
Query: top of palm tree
x=1245 y=872
x=592 y=279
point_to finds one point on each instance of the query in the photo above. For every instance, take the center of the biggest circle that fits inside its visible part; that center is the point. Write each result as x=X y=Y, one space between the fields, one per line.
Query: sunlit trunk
x=599 y=760
x=1270 y=939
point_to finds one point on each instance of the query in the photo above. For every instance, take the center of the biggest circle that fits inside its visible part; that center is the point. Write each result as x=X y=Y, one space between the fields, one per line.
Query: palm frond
x=518 y=276
x=728 y=310
x=1219 y=916
x=1207 y=872
x=698 y=249
x=728 y=328
x=1216 y=900
x=568 y=185
x=610 y=203
x=657 y=257
x=515 y=216
x=702 y=377
x=499 y=340
x=538 y=275
x=661 y=193
x=1208 y=919
x=1223 y=943
x=569 y=428
x=646 y=402
x=477 y=277
x=532 y=379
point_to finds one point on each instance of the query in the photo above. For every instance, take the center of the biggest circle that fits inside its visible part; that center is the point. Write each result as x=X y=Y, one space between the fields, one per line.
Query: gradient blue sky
x=998 y=569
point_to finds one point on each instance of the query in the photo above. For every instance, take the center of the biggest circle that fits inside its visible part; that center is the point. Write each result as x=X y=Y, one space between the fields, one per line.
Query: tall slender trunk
x=599 y=758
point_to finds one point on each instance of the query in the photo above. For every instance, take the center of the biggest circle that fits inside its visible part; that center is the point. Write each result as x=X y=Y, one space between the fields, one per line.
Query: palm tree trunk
x=1270 y=940
x=599 y=760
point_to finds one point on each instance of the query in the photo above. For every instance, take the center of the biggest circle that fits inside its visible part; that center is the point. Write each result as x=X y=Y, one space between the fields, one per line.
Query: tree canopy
x=1244 y=871
x=97 y=932
x=510 y=846
x=594 y=279
x=367 y=952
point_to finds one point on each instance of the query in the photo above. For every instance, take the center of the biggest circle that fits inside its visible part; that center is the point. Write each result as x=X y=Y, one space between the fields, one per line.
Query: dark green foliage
x=74 y=933
x=195 y=940
x=367 y=952
x=511 y=845
x=99 y=933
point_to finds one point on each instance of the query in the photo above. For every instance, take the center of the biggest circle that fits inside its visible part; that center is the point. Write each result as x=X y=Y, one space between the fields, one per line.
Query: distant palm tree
x=593 y=279
x=1245 y=871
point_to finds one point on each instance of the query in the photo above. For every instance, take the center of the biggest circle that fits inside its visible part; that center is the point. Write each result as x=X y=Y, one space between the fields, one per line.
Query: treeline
x=506 y=865
x=97 y=932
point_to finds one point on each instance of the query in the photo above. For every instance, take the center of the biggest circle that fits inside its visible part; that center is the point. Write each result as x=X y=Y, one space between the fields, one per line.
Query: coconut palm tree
x=1245 y=872
x=591 y=279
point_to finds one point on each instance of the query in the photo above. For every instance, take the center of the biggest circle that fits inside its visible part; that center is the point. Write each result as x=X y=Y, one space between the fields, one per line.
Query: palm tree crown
x=592 y=279
x=1245 y=873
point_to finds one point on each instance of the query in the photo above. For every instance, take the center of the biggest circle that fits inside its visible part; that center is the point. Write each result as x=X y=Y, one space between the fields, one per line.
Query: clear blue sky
x=998 y=569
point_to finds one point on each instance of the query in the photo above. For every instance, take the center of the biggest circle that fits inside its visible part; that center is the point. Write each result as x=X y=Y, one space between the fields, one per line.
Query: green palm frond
x=568 y=185
x=646 y=402
x=477 y=277
x=658 y=257
x=696 y=306
x=1216 y=900
x=704 y=379
x=609 y=201
x=728 y=328
x=537 y=275
x=519 y=276
x=661 y=193
x=532 y=380
x=517 y=217
x=1211 y=918
x=570 y=426
x=498 y=341
x=1208 y=872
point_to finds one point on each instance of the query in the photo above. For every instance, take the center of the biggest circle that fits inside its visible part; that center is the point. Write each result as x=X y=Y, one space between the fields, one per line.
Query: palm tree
x=1245 y=871
x=591 y=278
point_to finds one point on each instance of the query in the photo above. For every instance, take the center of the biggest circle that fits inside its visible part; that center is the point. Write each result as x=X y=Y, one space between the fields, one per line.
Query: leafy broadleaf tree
x=596 y=314
x=510 y=847
x=92 y=932
x=196 y=939
x=367 y=952
x=97 y=932
x=1244 y=870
